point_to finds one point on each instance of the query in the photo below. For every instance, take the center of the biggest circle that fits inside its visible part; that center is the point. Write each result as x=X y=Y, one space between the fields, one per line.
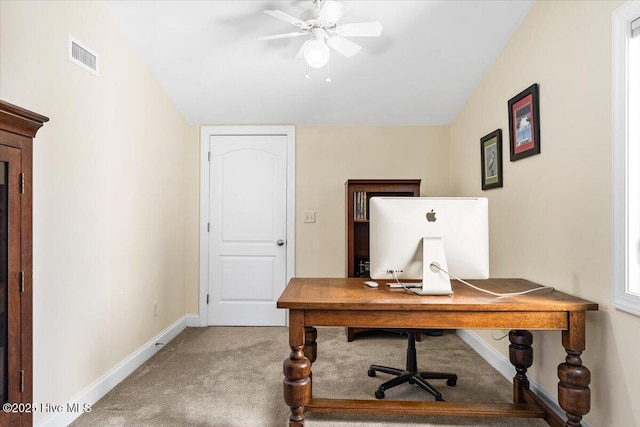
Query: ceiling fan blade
x=360 y=29
x=283 y=35
x=300 y=53
x=343 y=46
x=287 y=18
x=332 y=11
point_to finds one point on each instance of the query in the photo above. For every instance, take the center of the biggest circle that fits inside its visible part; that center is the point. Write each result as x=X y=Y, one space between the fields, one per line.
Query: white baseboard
x=108 y=381
x=503 y=365
x=193 y=320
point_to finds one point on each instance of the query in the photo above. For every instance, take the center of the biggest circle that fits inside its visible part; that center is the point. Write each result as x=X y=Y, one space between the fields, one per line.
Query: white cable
x=411 y=291
x=509 y=294
x=498 y=338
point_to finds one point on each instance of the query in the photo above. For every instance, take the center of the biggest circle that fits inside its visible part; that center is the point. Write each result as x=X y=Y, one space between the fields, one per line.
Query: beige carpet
x=232 y=376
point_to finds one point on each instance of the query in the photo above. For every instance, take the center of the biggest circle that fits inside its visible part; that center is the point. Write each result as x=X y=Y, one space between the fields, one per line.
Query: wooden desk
x=341 y=302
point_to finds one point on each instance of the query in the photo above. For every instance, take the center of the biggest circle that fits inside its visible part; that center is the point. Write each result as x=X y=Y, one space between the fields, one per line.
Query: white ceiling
x=429 y=59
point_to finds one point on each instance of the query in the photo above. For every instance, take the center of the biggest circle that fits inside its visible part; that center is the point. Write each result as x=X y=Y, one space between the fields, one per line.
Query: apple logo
x=431 y=216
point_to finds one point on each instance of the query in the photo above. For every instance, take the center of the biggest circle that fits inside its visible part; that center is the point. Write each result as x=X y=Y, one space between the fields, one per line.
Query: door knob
x=280 y=242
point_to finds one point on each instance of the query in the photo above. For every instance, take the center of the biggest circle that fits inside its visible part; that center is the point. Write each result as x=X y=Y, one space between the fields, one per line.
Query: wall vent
x=81 y=55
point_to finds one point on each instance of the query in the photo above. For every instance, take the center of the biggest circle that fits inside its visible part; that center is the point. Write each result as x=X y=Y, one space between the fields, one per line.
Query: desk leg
x=521 y=356
x=574 y=395
x=297 y=370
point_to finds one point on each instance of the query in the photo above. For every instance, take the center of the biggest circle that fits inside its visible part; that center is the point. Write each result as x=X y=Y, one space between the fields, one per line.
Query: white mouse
x=371 y=284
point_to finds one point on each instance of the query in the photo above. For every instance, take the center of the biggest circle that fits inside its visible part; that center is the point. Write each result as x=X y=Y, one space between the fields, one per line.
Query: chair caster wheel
x=439 y=399
x=452 y=382
x=379 y=394
x=371 y=373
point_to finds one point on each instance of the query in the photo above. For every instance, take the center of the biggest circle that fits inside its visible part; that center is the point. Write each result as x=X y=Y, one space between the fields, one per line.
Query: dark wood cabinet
x=17 y=129
x=358 y=192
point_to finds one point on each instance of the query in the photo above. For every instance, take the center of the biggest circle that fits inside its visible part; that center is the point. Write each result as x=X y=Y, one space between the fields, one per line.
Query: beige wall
x=116 y=173
x=327 y=156
x=115 y=194
x=551 y=222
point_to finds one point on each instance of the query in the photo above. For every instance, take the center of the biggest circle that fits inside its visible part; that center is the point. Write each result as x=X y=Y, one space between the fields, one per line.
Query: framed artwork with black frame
x=524 y=124
x=491 y=155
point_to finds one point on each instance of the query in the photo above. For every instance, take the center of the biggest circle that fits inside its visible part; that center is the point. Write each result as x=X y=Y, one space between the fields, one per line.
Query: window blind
x=635 y=27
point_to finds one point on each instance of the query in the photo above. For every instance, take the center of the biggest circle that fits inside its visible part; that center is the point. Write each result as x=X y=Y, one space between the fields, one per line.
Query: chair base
x=417 y=378
x=411 y=374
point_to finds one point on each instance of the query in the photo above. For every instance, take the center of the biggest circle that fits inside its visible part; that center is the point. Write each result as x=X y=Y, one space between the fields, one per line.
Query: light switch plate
x=309 y=216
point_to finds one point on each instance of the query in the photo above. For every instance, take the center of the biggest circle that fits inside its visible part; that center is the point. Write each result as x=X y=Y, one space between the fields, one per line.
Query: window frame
x=623 y=298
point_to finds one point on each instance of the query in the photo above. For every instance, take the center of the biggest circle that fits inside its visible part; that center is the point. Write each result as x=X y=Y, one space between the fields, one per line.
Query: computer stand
x=411 y=374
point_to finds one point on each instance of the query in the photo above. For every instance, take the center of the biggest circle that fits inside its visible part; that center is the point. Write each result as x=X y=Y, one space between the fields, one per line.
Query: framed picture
x=524 y=124
x=491 y=155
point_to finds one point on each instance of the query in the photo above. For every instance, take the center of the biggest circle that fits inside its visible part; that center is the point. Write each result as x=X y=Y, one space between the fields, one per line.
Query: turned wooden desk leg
x=297 y=370
x=574 y=395
x=521 y=356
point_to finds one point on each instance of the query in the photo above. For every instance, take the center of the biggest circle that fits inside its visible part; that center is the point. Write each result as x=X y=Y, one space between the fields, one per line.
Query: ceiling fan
x=321 y=23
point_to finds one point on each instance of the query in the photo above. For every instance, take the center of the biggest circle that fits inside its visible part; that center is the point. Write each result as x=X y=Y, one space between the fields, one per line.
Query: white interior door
x=247 y=229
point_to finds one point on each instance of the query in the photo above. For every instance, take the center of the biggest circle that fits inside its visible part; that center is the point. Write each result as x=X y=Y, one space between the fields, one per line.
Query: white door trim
x=205 y=133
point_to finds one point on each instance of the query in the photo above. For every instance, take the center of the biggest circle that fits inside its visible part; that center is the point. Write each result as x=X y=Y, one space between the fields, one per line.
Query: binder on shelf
x=360 y=205
x=365 y=203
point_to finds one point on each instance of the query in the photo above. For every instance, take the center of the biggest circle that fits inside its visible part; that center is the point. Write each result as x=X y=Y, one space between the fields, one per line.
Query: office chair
x=410 y=374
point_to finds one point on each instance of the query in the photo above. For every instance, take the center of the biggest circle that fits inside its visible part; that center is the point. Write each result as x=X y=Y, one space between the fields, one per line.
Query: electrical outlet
x=310 y=216
x=155 y=308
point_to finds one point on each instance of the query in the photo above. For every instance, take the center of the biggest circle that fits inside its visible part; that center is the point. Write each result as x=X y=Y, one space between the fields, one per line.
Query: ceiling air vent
x=83 y=56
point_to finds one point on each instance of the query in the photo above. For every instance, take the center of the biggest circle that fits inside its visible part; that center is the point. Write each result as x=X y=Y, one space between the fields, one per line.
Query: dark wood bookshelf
x=358 y=193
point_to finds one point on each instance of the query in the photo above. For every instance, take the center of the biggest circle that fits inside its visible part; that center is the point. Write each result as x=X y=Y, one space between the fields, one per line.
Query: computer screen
x=457 y=232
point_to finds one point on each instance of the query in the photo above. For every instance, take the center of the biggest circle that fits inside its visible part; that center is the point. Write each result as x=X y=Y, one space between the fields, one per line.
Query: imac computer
x=421 y=238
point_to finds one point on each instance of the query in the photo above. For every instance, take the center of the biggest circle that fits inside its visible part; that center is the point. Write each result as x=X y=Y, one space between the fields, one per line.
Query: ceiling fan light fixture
x=321 y=23
x=317 y=53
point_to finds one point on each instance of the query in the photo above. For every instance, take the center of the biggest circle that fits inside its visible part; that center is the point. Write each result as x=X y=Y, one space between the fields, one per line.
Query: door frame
x=205 y=135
